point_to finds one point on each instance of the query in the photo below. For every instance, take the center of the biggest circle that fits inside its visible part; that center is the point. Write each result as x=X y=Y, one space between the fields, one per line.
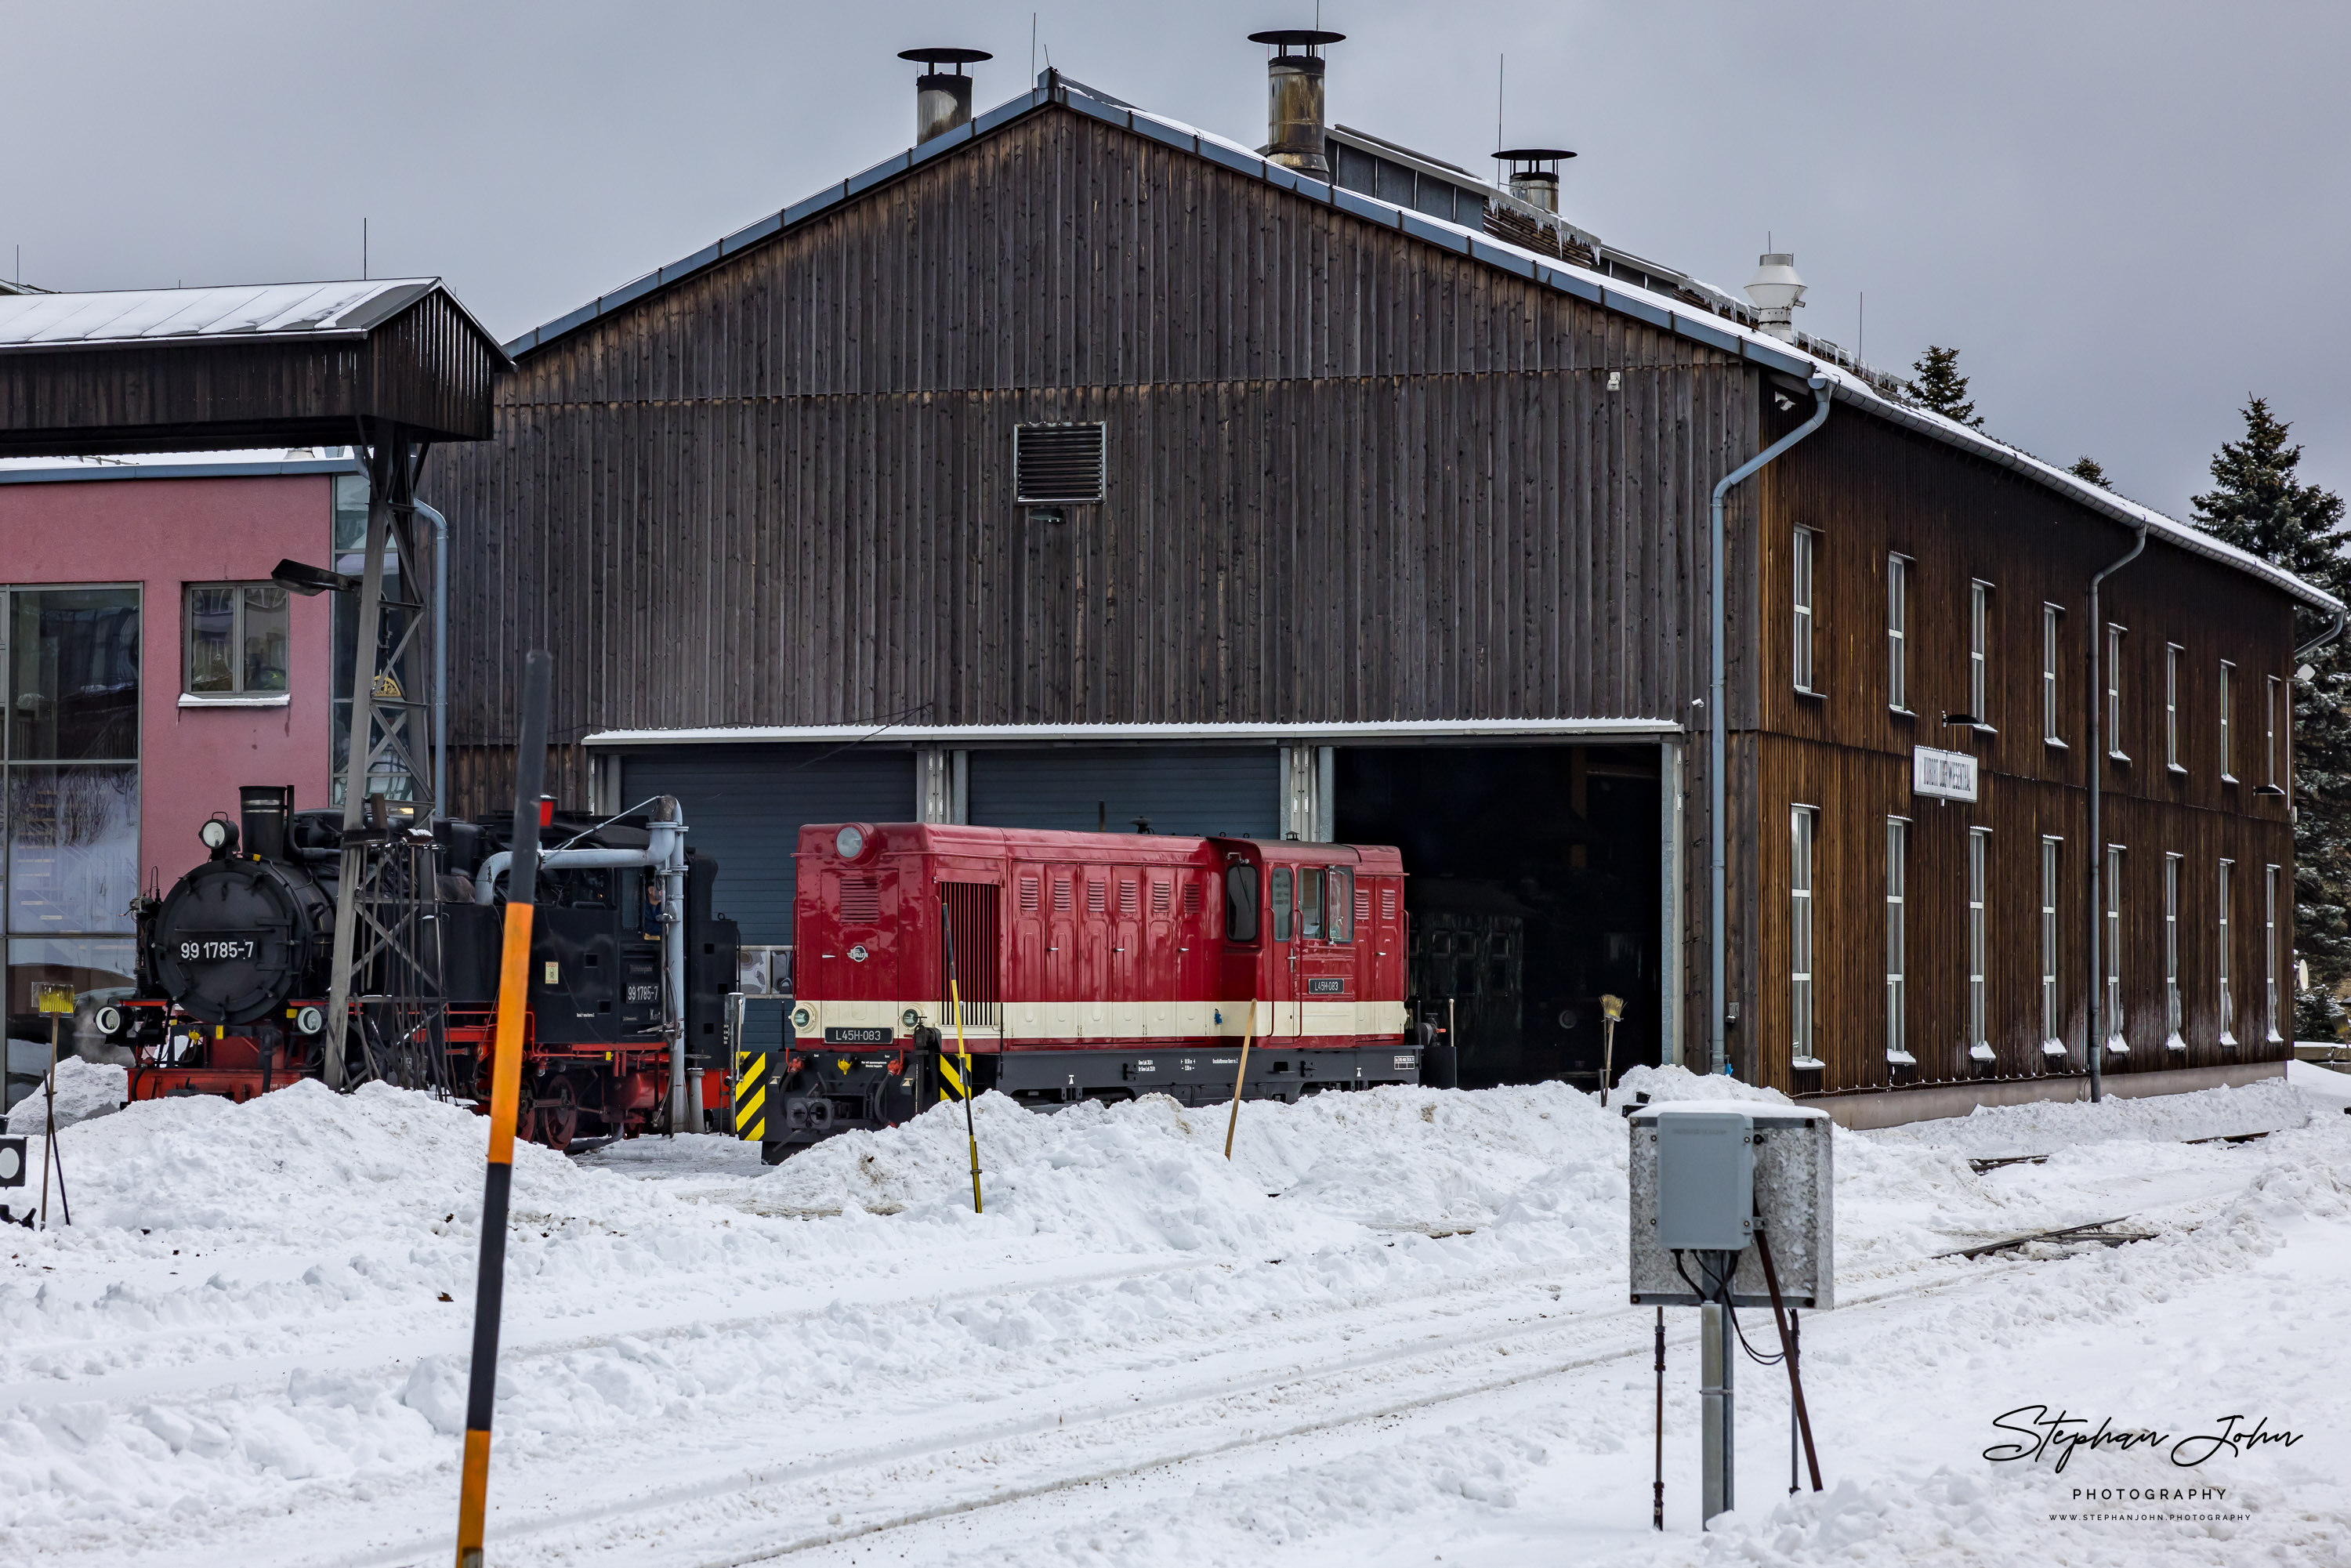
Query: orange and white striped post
x=506 y=1094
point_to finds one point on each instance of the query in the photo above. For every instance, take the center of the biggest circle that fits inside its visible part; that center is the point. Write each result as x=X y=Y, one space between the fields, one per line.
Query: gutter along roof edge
x=1675 y=316
x=1226 y=733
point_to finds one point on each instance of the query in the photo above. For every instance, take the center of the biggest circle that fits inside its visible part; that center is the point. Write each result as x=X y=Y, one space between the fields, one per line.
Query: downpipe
x=2094 y=1052
x=1716 y=751
x=440 y=659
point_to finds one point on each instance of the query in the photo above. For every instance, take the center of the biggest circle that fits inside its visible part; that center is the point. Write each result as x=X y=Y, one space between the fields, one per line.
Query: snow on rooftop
x=235 y=311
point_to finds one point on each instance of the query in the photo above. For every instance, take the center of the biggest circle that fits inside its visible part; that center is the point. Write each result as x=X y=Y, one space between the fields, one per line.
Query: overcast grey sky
x=2126 y=216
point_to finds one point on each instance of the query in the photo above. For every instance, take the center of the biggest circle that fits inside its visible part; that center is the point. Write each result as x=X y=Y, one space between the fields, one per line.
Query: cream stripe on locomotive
x=1081 y=1021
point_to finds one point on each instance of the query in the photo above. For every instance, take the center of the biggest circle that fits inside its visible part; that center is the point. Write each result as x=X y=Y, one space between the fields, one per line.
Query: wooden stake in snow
x=506 y=1096
x=1232 y=1123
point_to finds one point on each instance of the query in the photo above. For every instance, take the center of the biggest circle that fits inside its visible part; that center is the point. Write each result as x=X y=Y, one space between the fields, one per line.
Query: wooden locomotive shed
x=1398 y=533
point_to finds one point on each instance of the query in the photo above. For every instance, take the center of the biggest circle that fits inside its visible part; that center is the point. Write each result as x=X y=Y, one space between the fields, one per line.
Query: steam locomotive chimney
x=1294 y=98
x=942 y=99
x=264 y=811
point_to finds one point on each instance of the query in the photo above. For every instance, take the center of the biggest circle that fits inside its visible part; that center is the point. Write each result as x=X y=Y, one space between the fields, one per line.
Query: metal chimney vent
x=942 y=99
x=1059 y=463
x=1777 y=293
x=1295 y=137
x=1534 y=174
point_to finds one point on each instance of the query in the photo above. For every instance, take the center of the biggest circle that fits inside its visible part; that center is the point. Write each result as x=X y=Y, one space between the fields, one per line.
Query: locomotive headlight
x=911 y=1019
x=801 y=1018
x=850 y=842
x=309 y=1021
x=218 y=835
x=108 y=1020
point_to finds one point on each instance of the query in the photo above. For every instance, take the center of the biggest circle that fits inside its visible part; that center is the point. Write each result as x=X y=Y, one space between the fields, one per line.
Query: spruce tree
x=1941 y=387
x=2087 y=468
x=2260 y=506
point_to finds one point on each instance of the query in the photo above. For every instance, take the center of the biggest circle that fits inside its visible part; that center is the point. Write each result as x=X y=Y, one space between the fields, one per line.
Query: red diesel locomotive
x=1088 y=966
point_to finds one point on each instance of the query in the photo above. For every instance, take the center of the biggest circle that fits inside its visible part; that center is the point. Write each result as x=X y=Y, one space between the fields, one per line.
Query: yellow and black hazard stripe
x=751 y=1095
x=950 y=1080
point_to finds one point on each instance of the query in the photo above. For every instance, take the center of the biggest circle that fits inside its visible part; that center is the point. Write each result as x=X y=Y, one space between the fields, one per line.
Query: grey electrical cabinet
x=1706 y=1179
x=1712 y=1176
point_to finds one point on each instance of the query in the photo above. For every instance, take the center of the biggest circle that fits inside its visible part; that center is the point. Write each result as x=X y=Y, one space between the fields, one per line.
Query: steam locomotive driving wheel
x=555 y=1108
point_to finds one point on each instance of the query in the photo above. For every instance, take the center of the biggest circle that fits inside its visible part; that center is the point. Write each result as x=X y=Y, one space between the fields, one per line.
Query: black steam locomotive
x=235 y=966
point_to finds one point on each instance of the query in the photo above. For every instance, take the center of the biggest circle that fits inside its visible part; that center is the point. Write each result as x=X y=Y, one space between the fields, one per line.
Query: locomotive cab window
x=1342 y=925
x=1241 y=902
x=1309 y=904
x=1280 y=902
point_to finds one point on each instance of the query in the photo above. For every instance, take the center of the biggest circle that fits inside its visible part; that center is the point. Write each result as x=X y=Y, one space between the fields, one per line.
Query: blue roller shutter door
x=1232 y=791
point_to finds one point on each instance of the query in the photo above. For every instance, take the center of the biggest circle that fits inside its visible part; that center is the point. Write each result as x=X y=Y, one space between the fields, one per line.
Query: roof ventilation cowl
x=1294 y=121
x=1776 y=292
x=1534 y=174
x=942 y=99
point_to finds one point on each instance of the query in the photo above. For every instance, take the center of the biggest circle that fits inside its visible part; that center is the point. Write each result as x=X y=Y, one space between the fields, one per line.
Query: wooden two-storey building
x=1077 y=469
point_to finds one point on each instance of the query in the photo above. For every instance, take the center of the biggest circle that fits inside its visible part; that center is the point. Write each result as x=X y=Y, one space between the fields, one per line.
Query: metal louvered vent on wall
x=1058 y=462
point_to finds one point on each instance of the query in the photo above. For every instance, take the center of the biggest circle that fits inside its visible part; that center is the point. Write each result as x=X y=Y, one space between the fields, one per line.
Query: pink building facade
x=151 y=668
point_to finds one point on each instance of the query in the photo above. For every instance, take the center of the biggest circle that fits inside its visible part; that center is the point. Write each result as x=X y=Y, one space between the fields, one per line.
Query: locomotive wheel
x=557 y=1108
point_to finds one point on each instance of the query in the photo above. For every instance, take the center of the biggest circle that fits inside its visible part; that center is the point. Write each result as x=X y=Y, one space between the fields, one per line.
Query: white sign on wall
x=1945 y=775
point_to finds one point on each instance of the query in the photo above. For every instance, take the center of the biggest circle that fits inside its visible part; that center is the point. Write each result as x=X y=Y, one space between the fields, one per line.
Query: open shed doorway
x=1534 y=887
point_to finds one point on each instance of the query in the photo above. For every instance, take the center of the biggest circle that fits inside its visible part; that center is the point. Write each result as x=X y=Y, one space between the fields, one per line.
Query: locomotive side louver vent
x=1191 y=898
x=1126 y=897
x=1362 y=907
x=1058 y=462
x=1028 y=894
x=860 y=901
x=1061 y=895
x=1387 y=904
x=1097 y=896
x=1159 y=897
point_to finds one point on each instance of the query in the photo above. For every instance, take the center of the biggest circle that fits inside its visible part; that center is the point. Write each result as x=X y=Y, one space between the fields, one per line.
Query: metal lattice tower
x=387 y=955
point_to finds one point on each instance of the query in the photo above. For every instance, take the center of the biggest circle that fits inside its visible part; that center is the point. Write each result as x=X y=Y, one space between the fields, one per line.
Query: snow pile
x=2264 y=1105
x=1667 y=1084
x=1152 y=1173
x=84 y=1090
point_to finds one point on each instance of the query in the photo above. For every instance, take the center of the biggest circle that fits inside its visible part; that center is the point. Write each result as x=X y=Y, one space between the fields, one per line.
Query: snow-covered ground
x=1392 y=1330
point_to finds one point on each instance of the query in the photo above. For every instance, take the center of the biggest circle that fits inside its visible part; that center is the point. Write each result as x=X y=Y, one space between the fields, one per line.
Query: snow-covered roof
x=1663 y=311
x=265 y=461
x=216 y=313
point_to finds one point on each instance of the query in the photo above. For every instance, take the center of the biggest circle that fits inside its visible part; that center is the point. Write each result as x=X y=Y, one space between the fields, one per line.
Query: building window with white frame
x=1800 y=820
x=1898 y=856
x=2269 y=736
x=2115 y=694
x=236 y=644
x=2052 y=619
x=1980 y=652
x=2228 y=992
x=1897 y=632
x=2271 y=1023
x=2172 y=1038
x=1979 y=1002
x=2172 y=652
x=2228 y=754
x=2053 y=1030
x=2115 y=1043
x=1802 y=554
